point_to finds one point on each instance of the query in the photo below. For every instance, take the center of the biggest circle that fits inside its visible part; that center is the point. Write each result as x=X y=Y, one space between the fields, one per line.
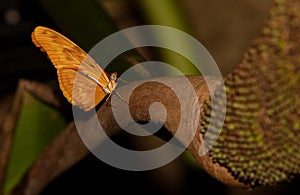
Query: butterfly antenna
x=119 y=79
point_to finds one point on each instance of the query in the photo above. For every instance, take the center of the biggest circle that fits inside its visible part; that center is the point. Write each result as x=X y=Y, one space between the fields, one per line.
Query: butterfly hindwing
x=80 y=90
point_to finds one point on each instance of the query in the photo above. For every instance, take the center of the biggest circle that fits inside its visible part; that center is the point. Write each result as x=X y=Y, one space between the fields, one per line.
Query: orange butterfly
x=78 y=74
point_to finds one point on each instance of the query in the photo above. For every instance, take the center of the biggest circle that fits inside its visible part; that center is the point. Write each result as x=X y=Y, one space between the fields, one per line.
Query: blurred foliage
x=91 y=25
x=82 y=21
x=37 y=125
x=170 y=13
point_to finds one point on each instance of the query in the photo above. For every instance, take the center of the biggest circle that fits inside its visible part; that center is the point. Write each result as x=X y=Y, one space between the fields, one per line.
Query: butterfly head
x=113 y=77
x=113 y=81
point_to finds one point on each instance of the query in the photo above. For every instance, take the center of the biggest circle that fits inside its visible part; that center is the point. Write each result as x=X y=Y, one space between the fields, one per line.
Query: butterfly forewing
x=73 y=67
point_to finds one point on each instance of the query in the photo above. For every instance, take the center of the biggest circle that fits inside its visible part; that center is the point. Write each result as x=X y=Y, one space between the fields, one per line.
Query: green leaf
x=37 y=125
x=170 y=13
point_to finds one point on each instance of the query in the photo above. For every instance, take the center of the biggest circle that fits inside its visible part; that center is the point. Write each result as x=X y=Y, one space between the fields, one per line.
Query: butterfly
x=78 y=73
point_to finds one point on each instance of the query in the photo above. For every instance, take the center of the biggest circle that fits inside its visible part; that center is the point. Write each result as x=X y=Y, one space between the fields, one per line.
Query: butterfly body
x=81 y=79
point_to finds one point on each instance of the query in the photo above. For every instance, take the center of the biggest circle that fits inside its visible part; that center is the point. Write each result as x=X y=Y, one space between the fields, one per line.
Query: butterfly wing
x=78 y=89
x=73 y=65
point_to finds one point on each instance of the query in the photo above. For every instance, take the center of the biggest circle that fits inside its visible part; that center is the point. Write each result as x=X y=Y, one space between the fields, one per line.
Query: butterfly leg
x=108 y=101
